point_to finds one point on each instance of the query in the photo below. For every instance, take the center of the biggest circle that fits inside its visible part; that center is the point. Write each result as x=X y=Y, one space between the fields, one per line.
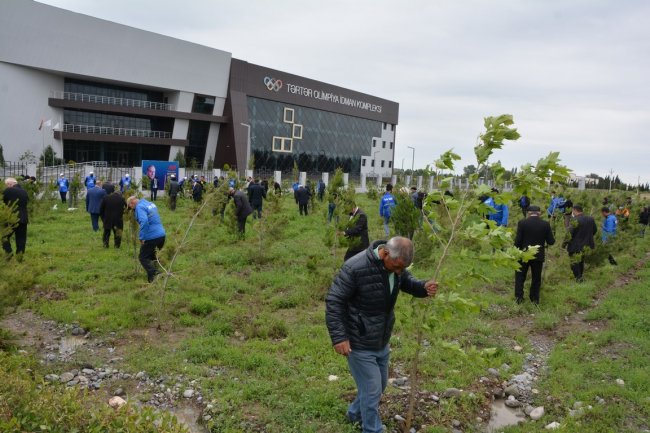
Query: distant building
x=101 y=91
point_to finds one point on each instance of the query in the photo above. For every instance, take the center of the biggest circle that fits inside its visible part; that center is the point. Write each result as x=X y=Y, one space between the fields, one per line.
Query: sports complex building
x=96 y=90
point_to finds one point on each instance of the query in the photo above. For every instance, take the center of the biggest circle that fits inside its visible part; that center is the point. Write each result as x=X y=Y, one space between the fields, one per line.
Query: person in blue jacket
x=94 y=198
x=64 y=185
x=152 y=233
x=386 y=206
x=610 y=224
x=90 y=181
x=558 y=203
x=125 y=183
x=501 y=211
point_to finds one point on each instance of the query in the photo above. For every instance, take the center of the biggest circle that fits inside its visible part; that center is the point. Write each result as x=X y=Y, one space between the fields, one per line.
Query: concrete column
x=581 y=184
x=346 y=179
x=419 y=183
x=430 y=183
x=363 y=182
x=302 y=178
x=326 y=178
x=181 y=172
x=277 y=177
x=216 y=172
x=407 y=183
x=379 y=181
x=249 y=173
x=137 y=175
x=393 y=179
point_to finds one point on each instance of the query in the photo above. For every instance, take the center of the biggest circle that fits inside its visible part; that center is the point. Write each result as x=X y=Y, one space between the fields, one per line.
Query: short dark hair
x=604 y=209
x=389 y=187
x=577 y=207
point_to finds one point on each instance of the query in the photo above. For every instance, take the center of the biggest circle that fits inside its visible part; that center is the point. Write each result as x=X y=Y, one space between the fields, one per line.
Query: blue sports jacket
x=63 y=185
x=386 y=204
x=609 y=227
x=149 y=220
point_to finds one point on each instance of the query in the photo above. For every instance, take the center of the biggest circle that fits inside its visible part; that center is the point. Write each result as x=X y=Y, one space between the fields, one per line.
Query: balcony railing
x=109 y=100
x=108 y=130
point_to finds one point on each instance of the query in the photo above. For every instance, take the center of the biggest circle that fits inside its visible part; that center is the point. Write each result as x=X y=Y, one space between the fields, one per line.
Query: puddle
x=503 y=416
x=69 y=345
x=189 y=417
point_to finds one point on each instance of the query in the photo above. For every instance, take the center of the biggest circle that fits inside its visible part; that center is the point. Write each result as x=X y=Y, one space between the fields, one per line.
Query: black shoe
x=520 y=300
x=612 y=261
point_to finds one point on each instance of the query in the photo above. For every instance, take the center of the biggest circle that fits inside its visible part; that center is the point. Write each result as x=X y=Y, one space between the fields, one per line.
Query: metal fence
x=109 y=130
x=109 y=100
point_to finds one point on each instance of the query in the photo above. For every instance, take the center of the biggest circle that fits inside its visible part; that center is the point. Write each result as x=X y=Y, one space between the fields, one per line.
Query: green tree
x=49 y=158
x=295 y=173
x=405 y=217
x=2 y=157
x=180 y=157
x=210 y=163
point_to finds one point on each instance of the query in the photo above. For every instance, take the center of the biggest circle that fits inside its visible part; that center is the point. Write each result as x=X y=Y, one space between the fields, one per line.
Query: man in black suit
x=242 y=209
x=111 y=211
x=532 y=231
x=302 y=198
x=582 y=231
x=256 y=196
x=357 y=233
x=14 y=195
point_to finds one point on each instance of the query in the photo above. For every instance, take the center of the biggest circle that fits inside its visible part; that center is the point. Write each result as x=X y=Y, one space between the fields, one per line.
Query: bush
x=202 y=306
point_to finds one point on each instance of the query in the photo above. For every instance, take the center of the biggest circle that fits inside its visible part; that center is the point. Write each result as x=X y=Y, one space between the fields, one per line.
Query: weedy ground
x=257 y=316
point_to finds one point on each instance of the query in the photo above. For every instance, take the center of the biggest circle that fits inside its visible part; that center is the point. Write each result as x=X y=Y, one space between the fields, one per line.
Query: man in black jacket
x=357 y=233
x=256 y=196
x=111 y=210
x=242 y=209
x=583 y=229
x=532 y=231
x=360 y=319
x=174 y=188
x=302 y=198
x=14 y=195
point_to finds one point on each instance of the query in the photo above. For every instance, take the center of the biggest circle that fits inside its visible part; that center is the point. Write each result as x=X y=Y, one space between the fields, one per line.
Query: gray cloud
x=574 y=74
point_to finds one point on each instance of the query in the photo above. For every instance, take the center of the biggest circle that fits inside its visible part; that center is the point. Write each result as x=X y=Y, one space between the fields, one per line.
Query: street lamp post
x=248 y=145
x=412 y=160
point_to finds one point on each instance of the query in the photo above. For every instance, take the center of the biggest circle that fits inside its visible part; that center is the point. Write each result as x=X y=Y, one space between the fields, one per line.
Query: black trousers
x=257 y=211
x=117 y=234
x=63 y=196
x=148 y=256
x=536 y=277
x=21 y=239
x=241 y=225
x=577 y=266
x=172 y=202
x=302 y=208
x=154 y=194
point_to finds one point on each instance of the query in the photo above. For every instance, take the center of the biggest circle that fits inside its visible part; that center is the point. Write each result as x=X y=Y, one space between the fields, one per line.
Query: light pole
x=402 y=164
x=248 y=145
x=412 y=160
x=611 y=174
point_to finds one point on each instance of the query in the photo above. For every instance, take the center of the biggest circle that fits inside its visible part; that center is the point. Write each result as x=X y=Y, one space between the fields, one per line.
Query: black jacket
x=19 y=196
x=359 y=302
x=111 y=210
x=242 y=206
x=583 y=229
x=256 y=194
x=358 y=233
x=534 y=231
x=302 y=195
x=173 y=188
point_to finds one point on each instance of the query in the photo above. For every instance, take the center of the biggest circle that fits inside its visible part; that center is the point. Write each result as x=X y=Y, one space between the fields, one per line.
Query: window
x=363 y=162
x=383 y=145
x=385 y=124
x=374 y=143
x=390 y=164
x=288 y=115
x=372 y=163
x=282 y=144
x=392 y=127
x=382 y=163
x=391 y=144
x=297 y=131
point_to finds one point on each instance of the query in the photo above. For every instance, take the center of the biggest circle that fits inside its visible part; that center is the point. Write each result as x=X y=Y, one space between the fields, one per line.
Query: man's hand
x=431 y=288
x=141 y=242
x=343 y=348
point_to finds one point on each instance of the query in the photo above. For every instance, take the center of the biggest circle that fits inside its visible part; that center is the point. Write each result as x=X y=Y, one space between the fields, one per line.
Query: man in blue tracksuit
x=557 y=204
x=64 y=185
x=386 y=206
x=94 y=198
x=610 y=224
x=125 y=183
x=152 y=233
x=90 y=181
x=501 y=212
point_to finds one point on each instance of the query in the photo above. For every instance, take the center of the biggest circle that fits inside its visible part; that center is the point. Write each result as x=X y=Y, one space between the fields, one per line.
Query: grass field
x=247 y=325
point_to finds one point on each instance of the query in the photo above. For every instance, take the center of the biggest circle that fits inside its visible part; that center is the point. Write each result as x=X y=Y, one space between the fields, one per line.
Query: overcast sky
x=574 y=73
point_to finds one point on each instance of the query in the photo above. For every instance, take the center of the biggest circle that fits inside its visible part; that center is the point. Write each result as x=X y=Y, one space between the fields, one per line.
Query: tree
x=180 y=157
x=2 y=157
x=210 y=163
x=28 y=157
x=296 y=171
x=251 y=163
x=469 y=170
x=48 y=157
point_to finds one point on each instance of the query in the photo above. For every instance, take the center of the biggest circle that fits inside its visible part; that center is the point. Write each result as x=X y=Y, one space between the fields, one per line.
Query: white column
x=393 y=180
x=326 y=178
x=419 y=183
x=277 y=177
x=346 y=178
x=302 y=178
x=363 y=182
x=249 y=173
x=137 y=175
x=407 y=183
x=379 y=180
x=430 y=183
x=216 y=172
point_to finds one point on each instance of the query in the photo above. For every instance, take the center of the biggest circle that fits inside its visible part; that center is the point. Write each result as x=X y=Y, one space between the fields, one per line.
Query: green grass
x=259 y=317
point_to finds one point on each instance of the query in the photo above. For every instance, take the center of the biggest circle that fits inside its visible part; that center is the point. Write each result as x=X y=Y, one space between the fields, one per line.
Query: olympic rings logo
x=272 y=84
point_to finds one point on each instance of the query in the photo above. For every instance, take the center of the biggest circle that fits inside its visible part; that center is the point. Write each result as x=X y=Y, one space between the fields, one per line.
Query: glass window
x=297 y=131
x=391 y=144
x=363 y=162
x=203 y=104
x=287 y=144
x=383 y=145
x=392 y=127
x=372 y=163
x=288 y=115
x=277 y=144
x=374 y=143
x=385 y=125
x=382 y=162
x=390 y=164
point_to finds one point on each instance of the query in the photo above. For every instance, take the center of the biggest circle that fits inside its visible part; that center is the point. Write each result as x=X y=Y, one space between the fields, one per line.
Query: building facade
x=95 y=90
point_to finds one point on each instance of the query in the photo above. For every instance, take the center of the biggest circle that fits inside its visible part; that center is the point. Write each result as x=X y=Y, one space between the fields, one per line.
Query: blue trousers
x=370 y=371
x=94 y=220
x=386 y=227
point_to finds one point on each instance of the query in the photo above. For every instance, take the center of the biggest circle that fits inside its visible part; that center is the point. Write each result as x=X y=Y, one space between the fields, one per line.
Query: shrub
x=202 y=306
